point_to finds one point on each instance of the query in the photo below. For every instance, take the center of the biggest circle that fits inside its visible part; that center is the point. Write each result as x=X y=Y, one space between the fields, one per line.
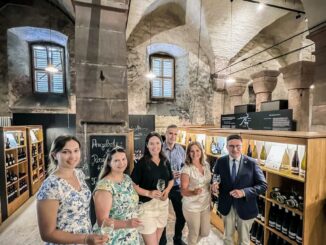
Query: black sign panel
x=142 y=125
x=264 y=120
x=99 y=146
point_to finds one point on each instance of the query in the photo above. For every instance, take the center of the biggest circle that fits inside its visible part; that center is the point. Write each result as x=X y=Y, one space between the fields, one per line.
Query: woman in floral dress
x=63 y=199
x=116 y=201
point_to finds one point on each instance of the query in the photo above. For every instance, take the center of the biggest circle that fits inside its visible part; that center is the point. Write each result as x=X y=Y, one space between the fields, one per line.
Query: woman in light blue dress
x=63 y=199
x=116 y=201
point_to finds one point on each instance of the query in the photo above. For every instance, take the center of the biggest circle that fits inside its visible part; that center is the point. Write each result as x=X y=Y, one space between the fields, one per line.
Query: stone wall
x=15 y=73
x=192 y=76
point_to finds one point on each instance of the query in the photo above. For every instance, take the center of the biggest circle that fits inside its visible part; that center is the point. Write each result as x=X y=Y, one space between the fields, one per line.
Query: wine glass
x=107 y=227
x=160 y=185
x=216 y=181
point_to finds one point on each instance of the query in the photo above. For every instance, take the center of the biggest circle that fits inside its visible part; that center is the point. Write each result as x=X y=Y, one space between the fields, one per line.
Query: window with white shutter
x=162 y=86
x=43 y=56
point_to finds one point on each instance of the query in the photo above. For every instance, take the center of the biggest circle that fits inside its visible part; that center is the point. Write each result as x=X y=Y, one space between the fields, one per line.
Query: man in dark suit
x=241 y=182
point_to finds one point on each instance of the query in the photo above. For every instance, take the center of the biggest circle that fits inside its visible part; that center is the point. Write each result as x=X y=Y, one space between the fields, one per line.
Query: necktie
x=234 y=171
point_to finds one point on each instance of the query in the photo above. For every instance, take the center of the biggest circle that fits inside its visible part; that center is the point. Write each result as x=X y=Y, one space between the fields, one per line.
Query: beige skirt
x=153 y=215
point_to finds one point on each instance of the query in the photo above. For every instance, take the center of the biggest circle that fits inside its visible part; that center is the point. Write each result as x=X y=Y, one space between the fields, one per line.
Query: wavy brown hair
x=188 y=160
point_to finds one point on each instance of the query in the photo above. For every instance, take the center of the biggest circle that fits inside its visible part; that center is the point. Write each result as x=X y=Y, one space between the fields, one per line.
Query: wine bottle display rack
x=36 y=157
x=14 y=183
x=305 y=152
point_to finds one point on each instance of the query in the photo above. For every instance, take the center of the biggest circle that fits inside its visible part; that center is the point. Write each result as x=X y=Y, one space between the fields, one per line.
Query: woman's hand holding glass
x=215 y=184
x=176 y=171
x=107 y=227
x=95 y=239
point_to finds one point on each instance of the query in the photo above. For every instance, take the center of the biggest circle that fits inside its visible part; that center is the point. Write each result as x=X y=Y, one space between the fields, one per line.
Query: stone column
x=235 y=91
x=101 y=68
x=218 y=86
x=264 y=83
x=297 y=78
x=318 y=120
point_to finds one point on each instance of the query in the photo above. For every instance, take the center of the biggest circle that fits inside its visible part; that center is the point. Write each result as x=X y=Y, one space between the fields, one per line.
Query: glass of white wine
x=216 y=181
x=107 y=227
x=160 y=185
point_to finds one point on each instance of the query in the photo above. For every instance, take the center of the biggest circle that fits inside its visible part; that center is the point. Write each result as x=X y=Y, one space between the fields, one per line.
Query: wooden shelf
x=11 y=166
x=286 y=174
x=281 y=235
x=12 y=183
x=15 y=148
x=22 y=160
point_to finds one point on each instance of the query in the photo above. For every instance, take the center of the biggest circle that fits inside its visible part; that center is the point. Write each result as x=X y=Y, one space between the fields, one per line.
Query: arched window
x=162 y=86
x=45 y=55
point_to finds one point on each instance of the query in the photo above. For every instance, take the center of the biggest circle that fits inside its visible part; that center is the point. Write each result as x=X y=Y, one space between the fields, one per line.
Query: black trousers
x=175 y=197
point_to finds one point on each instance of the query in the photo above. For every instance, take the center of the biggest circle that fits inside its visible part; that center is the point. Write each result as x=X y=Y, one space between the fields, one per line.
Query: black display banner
x=264 y=120
x=99 y=146
x=142 y=125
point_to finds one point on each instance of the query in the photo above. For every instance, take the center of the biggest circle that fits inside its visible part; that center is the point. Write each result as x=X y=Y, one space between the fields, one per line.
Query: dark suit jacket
x=250 y=178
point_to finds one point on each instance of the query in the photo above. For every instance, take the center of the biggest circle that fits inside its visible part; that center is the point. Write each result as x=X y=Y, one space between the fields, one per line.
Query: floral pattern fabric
x=124 y=207
x=73 y=212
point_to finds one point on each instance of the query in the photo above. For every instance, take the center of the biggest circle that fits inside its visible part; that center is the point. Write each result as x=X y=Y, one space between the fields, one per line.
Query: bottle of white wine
x=263 y=155
x=303 y=165
x=254 y=152
x=295 y=163
x=285 y=164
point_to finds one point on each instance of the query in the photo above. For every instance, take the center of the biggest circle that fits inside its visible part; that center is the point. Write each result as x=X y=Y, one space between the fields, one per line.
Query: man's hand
x=237 y=193
x=176 y=174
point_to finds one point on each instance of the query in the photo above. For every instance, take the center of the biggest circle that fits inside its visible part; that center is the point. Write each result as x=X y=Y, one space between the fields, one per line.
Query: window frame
x=33 y=69
x=162 y=98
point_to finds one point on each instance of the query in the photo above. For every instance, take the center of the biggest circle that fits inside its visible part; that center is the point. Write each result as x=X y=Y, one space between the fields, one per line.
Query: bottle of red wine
x=272 y=239
x=286 y=222
x=260 y=235
x=293 y=227
x=298 y=236
x=279 y=219
x=249 y=151
x=272 y=216
x=295 y=163
x=253 y=232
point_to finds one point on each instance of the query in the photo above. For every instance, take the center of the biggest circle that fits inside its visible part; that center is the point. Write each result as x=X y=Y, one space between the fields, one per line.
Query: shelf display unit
x=36 y=157
x=14 y=183
x=306 y=151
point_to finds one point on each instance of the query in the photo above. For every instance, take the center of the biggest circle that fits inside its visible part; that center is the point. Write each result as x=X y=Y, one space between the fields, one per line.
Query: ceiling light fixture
x=50 y=67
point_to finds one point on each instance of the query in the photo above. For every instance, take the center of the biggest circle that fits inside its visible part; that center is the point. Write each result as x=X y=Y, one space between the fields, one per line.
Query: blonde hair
x=188 y=160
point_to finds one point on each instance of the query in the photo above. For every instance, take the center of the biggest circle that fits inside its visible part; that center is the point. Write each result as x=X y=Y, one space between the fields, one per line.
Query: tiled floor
x=21 y=228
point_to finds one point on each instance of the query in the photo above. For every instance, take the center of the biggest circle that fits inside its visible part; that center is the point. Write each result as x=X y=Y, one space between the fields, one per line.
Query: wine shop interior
x=110 y=72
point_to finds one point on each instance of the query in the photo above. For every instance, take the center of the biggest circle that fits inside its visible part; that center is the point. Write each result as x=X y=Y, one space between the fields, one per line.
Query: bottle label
x=285 y=230
x=271 y=223
x=292 y=235
x=298 y=239
x=278 y=227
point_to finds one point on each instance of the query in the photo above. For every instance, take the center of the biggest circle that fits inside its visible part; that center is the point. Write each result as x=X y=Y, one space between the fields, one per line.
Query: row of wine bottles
x=257 y=234
x=16 y=138
x=292 y=199
x=11 y=177
x=12 y=193
x=295 y=166
x=286 y=222
x=10 y=159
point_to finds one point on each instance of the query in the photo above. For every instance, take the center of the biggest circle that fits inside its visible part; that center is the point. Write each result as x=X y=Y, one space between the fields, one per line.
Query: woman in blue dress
x=116 y=201
x=63 y=199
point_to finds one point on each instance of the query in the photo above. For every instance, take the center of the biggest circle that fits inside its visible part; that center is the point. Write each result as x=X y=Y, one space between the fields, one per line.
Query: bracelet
x=85 y=239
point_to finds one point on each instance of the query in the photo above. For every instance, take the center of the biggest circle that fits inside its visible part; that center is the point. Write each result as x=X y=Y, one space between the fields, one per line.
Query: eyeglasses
x=235 y=146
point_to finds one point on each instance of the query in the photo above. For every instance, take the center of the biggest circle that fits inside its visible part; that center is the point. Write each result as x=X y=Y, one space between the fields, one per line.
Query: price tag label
x=274 y=158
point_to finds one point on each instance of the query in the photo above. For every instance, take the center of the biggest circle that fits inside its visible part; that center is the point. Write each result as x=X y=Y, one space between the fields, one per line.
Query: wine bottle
x=272 y=239
x=254 y=152
x=259 y=235
x=303 y=165
x=262 y=218
x=218 y=149
x=293 y=227
x=7 y=143
x=279 y=219
x=285 y=164
x=286 y=222
x=253 y=231
x=213 y=147
x=22 y=140
x=295 y=163
x=263 y=155
x=260 y=208
x=272 y=216
x=298 y=236
x=249 y=151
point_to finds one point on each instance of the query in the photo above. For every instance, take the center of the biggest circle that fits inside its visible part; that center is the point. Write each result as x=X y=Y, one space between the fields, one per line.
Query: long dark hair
x=106 y=169
x=57 y=145
x=147 y=155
